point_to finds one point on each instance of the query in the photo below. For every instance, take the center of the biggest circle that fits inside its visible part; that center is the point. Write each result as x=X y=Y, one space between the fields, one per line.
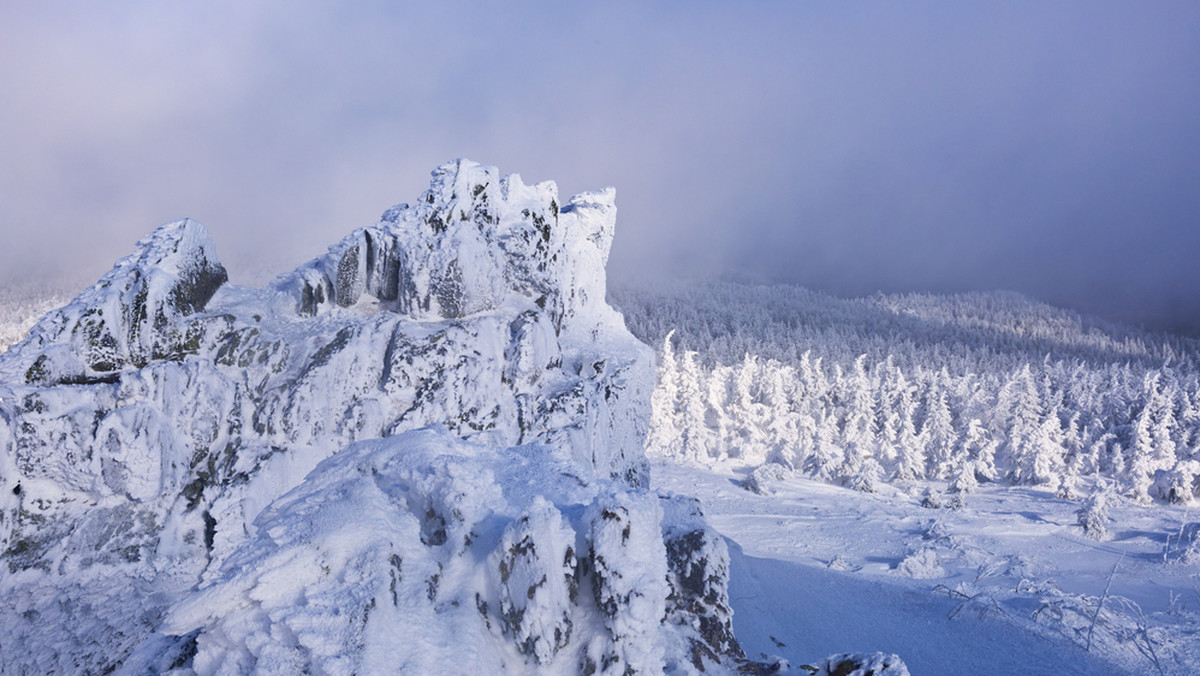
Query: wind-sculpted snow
x=156 y=434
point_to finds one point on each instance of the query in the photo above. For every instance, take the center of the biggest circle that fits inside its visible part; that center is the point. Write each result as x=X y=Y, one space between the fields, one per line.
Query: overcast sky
x=1051 y=148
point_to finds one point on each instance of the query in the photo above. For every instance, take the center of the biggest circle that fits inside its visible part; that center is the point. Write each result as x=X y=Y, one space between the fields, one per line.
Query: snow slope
x=1005 y=583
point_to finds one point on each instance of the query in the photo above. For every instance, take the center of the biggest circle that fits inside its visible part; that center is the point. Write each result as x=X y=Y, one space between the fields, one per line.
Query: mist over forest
x=1049 y=149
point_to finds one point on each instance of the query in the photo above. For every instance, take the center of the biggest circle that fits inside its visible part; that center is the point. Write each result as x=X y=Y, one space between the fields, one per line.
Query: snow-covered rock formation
x=419 y=452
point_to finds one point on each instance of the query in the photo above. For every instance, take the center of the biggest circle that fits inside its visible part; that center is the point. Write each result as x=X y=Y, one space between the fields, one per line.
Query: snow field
x=1005 y=583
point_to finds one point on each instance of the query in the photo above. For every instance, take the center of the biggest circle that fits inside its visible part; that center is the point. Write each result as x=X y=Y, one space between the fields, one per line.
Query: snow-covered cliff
x=423 y=448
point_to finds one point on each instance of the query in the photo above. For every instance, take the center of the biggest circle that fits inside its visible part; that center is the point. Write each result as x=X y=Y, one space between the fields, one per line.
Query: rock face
x=422 y=448
x=135 y=314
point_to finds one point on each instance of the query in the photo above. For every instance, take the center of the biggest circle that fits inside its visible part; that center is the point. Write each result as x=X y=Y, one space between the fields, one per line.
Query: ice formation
x=420 y=452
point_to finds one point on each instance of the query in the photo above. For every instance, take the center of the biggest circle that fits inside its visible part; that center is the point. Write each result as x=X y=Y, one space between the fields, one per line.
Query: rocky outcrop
x=861 y=664
x=428 y=438
x=136 y=314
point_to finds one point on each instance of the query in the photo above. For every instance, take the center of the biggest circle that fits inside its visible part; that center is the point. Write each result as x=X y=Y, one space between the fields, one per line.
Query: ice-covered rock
x=422 y=448
x=135 y=314
x=423 y=553
x=862 y=664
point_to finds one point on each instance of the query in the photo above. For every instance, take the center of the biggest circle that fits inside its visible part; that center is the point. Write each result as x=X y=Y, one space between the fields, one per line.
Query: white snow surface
x=1006 y=583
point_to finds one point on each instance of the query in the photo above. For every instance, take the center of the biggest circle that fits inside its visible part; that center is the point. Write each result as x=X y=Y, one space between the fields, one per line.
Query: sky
x=1051 y=148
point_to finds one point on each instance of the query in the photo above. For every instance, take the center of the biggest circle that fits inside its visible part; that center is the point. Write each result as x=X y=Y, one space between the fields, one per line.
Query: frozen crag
x=421 y=452
x=135 y=314
x=426 y=554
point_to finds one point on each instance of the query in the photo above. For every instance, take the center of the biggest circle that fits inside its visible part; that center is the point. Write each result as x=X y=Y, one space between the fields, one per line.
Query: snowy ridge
x=179 y=480
x=135 y=314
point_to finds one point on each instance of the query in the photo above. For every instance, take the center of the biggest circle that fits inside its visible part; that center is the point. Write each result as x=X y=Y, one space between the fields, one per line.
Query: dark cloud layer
x=1050 y=148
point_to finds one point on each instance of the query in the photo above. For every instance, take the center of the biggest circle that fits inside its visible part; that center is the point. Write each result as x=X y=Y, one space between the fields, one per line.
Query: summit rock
x=431 y=434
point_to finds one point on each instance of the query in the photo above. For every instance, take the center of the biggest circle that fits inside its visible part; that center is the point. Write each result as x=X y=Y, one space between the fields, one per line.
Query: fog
x=1047 y=148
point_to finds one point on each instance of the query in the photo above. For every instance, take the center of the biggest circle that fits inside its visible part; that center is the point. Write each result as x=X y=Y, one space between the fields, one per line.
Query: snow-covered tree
x=695 y=437
x=664 y=402
x=1093 y=516
x=1153 y=448
x=866 y=477
x=1178 y=484
x=938 y=432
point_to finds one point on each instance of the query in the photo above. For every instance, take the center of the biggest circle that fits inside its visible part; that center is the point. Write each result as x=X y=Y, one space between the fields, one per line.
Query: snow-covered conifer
x=910 y=446
x=1177 y=485
x=963 y=480
x=826 y=458
x=938 y=431
x=695 y=437
x=1093 y=516
x=867 y=476
x=664 y=402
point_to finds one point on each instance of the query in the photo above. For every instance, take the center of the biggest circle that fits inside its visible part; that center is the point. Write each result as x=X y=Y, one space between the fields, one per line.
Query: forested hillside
x=967 y=388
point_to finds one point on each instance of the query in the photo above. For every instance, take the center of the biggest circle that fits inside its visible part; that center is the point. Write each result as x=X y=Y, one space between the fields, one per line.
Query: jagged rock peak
x=443 y=447
x=134 y=314
x=473 y=242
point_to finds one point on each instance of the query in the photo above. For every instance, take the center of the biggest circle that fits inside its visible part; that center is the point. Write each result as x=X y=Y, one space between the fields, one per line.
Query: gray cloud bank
x=1049 y=148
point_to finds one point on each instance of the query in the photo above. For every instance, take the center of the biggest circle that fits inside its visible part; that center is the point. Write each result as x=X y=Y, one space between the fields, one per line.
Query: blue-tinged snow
x=818 y=569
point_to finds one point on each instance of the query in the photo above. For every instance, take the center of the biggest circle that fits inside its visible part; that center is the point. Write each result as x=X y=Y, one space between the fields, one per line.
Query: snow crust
x=420 y=452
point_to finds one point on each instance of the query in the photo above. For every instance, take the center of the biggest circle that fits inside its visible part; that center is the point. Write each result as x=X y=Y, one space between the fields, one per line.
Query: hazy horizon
x=1051 y=150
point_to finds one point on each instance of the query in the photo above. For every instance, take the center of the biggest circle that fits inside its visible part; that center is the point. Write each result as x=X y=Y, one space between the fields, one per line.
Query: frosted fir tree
x=695 y=437
x=1093 y=516
x=1177 y=485
x=1068 y=488
x=717 y=394
x=817 y=392
x=963 y=480
x=939 y=432
x=1188 y=421
x=826 y=459
x=782 y=426
x=860 y=410
x=1111 y=454
x=1047 y=462
x=867 y=476
x=891 y=383
x=1027 y=443
x=1075 y=460
x=888 y=441
x=981 y=447
x=746 y=410
x=664 y=402
x=910 y=446
x=1153 y=447
x=799 y=453
x=1073 y=437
